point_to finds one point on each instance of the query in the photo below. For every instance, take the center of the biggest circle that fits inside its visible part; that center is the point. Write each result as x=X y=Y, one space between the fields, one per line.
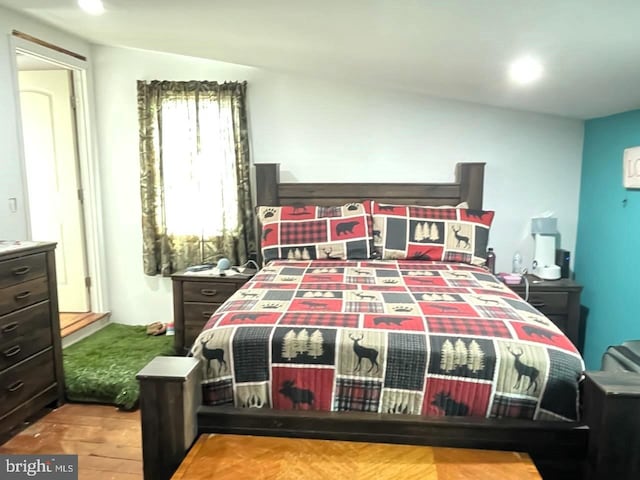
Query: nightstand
x=196 y=296
x=559 y=300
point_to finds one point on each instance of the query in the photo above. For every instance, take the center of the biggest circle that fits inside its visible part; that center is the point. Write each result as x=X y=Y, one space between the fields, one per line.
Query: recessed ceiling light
x=92 y=7
x=525 y=70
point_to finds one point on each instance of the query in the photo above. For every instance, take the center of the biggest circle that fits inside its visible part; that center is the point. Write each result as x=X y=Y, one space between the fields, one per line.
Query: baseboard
x=86 y=331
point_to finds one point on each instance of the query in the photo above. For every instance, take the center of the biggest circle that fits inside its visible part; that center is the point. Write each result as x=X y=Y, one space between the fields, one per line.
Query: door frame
x=89 y=174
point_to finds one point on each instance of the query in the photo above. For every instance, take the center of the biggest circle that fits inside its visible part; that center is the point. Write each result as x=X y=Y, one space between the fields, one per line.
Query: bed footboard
x=612 y=412
x=172 y=417
x=170 y=395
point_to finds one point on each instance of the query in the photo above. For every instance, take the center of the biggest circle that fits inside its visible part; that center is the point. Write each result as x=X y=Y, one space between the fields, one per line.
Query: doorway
x=51 y=167
x=57 y=162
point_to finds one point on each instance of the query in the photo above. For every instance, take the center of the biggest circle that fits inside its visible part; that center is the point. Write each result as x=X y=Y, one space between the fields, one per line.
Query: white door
x=55 y=210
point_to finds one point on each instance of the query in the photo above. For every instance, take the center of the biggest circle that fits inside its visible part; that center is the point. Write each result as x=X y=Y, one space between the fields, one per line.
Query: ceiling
x=457 y=49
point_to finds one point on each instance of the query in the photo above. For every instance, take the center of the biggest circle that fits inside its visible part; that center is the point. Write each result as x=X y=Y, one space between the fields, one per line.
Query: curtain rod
x=43 y=43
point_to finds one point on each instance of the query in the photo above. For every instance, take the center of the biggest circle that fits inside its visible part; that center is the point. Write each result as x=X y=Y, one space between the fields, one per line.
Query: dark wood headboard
x=467 y=187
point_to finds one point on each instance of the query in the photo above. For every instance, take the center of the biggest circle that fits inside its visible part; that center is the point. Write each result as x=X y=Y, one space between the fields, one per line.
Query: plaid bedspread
x=423 y=338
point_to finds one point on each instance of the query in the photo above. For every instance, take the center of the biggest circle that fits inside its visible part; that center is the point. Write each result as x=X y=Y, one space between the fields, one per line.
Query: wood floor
x=230 y=457
x=72 y=322
x=106 y=440
x=108 y=444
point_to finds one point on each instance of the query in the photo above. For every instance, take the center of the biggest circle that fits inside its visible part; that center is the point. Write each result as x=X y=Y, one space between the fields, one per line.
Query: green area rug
x=102 y=368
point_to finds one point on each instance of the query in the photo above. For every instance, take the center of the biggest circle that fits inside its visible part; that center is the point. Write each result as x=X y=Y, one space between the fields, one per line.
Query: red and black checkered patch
x=218 y=393
x=505 y=406
x=468 y=326
x=457 y=257
x=321 y=319
x=357 y=395
x=433 y=213
x=297 y=233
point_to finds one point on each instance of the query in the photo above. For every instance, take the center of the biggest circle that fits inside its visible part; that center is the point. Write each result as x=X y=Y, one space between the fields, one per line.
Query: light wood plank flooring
x=108 y=444
x=72 y=322
x=231 y=457
x=106 y=440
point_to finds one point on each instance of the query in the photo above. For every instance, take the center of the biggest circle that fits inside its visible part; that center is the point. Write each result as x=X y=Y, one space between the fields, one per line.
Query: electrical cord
x=244 y=265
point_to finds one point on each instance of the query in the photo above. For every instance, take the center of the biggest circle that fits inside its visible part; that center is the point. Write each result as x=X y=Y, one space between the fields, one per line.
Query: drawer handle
x=23 y=295
x=207 y=314
x=538 y=304
x=10 y=352
x=10 y=327
x=21 y=270
x=207 y=292
x=16 y=386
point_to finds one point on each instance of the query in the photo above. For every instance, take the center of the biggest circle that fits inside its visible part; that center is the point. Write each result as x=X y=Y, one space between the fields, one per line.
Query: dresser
x=196 y=297
x=31 y=374
x=559 y=300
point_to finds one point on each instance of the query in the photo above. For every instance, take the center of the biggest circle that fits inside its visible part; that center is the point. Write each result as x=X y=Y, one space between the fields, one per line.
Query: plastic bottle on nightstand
x=516 y=266
x=491 y=260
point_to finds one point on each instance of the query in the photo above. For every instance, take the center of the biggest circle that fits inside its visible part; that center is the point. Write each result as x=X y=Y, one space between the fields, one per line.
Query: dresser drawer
x=209 y=292
x=22 y=269
x=24 y=380
x=548 y=302
x=24 y=333
x=23 y=294
x=199 y=313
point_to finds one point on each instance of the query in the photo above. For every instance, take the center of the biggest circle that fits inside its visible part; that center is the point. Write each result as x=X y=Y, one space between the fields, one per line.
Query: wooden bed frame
x=170 y=396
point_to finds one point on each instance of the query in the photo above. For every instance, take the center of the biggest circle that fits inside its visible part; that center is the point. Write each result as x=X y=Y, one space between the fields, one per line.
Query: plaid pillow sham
x=431 y=233
x=316 y=232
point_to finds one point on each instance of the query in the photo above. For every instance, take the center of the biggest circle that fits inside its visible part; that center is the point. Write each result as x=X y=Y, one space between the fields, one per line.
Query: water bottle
x=491 y=261
x=517 y=264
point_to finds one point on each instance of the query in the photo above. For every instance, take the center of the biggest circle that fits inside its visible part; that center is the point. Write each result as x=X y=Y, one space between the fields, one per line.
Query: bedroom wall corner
x=608 y=241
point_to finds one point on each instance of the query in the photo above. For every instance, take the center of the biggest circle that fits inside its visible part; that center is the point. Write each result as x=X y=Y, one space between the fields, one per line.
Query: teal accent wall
x=607 y=260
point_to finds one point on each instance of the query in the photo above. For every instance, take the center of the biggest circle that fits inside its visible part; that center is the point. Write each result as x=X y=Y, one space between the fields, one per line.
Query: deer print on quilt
x=424 y=338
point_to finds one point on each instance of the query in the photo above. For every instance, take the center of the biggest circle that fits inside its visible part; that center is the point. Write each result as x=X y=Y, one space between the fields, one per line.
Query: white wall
x=14 y=225
x=327 y=131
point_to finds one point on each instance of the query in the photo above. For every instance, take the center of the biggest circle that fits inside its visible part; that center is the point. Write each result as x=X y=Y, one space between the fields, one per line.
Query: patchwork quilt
x=424 y=338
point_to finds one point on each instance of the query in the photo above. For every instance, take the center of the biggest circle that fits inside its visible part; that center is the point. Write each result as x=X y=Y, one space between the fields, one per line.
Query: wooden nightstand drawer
x=24 y=333
x=199 y=313
x=195 y=299
x=207 y=292
x=549 y=302
x=24 y=294
x=21 y=382
x=22 y=269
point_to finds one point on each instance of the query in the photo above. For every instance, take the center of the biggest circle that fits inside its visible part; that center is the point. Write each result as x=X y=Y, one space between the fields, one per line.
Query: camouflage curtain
x=194 y=174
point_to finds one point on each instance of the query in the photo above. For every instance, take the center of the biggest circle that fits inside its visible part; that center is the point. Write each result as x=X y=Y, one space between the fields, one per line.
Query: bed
x=389 y=336
x=366 y=384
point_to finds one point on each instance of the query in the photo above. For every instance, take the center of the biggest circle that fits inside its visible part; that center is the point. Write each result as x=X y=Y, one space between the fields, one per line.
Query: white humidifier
x=544 y=231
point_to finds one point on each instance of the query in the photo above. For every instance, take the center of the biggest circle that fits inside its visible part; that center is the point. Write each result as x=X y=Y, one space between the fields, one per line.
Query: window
x=194 y=174
x=200 y=184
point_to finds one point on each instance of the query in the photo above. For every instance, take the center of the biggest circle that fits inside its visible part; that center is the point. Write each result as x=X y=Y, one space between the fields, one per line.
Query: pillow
x=431 y=233
x=314 y=232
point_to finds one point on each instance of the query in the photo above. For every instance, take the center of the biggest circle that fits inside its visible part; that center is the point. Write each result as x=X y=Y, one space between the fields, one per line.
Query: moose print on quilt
x=423 y=338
